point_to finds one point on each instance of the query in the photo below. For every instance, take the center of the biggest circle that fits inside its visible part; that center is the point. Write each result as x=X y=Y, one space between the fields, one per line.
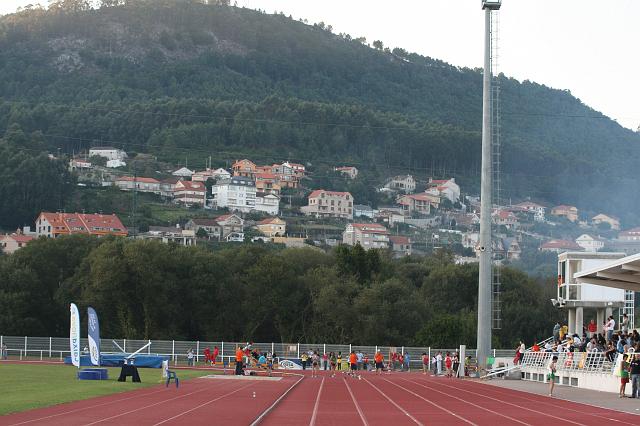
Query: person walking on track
x=551 y=375
x=239 y=356
x=379 y=360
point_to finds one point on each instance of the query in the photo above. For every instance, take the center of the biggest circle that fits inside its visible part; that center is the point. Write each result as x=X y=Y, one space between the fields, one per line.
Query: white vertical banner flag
x=74 y=335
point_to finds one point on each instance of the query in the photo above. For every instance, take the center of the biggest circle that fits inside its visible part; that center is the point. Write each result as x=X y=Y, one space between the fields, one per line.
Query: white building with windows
x=368 y=235
x=268 y=203
x=329 y=204
x=589 y=243
x=237 y=193
x=108 y=152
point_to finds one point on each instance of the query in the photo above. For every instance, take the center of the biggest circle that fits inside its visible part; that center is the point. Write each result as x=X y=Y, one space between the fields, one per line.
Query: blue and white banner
x=74 y=335
x=94 y=336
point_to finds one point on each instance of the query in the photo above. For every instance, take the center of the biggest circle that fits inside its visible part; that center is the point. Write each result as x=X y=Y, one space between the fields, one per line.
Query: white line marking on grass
x=467 y=402
x=312 y=422
x=435 y=405
x=353 y=398
x=203 y=404
x=394 y=403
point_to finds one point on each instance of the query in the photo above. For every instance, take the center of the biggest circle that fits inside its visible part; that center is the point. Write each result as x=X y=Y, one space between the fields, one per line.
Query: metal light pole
x=484 y=276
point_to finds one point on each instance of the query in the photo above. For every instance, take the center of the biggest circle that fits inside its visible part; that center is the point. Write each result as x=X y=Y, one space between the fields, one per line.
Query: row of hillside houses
x=501 y=247
x=323 y=203
x=189 y=193
x=375 y=236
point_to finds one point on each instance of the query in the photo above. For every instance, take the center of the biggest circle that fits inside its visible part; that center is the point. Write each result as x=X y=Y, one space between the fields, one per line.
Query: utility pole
x=486 y=198
x=134 y=201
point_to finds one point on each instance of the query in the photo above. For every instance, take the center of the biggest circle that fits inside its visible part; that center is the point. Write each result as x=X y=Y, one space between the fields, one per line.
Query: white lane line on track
x=515 y=405
x=276 y=402
x=146 y=406
x=353 y=398
x=394 y=403
x=435 y=405
x=312 y=422
x=503 y=391
x=468 y=402
x=204 y=403
x=87 y=408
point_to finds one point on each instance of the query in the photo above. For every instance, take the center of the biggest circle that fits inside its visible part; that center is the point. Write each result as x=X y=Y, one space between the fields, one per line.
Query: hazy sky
x=590 y=47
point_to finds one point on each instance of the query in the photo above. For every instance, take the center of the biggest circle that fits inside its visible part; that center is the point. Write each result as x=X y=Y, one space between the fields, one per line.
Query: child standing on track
x=551 y=375
x=624 y=375
x=339 y=360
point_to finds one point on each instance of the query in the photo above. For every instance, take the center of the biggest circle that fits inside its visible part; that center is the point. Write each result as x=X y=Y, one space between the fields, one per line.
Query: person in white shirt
x=611 y=325
x=576 y=340
x=521 y=350
x=439 y=362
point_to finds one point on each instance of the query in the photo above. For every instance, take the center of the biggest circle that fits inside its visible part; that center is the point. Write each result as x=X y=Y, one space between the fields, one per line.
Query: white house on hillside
x=589 y=243
x=536 y=209
x=404 y=183
x=108 y=152
x=368 y=235
x=603 y=218
x=183 y=172
x=447 y=188
x=237 y=193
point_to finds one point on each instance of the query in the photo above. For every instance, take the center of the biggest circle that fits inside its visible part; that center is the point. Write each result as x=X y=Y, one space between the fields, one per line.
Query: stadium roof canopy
x=621 y=273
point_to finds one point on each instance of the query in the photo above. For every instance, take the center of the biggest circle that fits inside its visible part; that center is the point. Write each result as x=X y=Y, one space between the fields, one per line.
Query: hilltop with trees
x=178 y=78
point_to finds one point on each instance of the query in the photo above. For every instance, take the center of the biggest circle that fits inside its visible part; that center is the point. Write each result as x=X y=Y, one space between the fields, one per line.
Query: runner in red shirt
x=379 y=360
x=448 y=364
x=353 y=361
x=214 y=357
x=207 y=355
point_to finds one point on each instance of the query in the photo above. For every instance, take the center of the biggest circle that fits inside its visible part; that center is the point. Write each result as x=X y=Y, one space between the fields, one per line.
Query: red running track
x=391 y=399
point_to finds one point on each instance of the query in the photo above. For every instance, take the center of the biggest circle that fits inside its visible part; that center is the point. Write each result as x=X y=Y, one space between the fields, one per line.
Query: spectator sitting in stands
x=548 y=347
x=610 y=352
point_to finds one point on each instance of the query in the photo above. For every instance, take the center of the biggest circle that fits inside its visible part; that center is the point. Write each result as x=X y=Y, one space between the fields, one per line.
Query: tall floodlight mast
x=486 y=198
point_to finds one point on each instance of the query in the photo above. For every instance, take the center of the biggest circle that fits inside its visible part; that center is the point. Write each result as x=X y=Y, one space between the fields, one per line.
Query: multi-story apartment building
x=329 y=204
x=368 y=235
x=237 y=193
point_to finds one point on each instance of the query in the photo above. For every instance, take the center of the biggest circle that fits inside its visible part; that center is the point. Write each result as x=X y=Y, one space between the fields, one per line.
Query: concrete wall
x=605 y=382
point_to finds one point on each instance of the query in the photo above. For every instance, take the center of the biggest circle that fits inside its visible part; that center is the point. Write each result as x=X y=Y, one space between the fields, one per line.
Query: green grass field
x=27 y=386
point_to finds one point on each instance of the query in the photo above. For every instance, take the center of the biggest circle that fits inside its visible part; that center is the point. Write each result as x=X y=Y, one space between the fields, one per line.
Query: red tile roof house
x=190 y=193
x=55 y=224
x=400 y=245
x=11 y=243
x=559 y=246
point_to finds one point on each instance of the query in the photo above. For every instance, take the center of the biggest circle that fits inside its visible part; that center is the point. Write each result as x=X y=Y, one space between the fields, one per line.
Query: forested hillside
x=178 y=78
x=146 y=289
